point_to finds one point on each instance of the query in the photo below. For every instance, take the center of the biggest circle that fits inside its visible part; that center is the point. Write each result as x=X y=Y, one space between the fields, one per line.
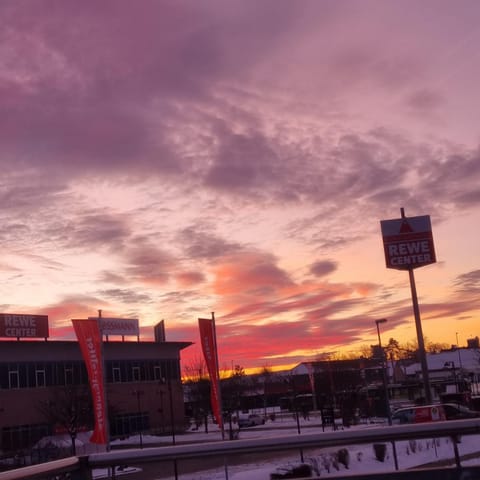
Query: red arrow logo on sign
x=406 y=228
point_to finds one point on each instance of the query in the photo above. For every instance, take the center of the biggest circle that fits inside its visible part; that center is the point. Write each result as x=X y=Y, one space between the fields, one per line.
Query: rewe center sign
x=408 y=242
x=21 y=325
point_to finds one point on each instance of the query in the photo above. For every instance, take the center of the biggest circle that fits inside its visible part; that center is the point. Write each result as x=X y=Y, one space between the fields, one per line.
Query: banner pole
x=218 y=373
x=104 y=380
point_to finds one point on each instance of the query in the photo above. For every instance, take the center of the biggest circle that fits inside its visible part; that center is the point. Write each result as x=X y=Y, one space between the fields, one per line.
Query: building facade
x=44 y=389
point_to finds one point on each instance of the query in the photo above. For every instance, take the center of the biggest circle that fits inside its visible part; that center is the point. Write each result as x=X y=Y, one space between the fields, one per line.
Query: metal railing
x=81 y=467
x=70 y=465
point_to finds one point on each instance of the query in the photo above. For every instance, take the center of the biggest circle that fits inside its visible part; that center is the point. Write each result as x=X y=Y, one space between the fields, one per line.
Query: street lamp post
x=384 y=372
x=172 y=418
x=139 y=415
x=459 y=353
x=385 y=385
x=291 y=386
x=168 y=384
x=378 y=322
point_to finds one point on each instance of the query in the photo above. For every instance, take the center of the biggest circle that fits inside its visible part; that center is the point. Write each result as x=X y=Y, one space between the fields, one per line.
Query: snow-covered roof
x=465 y=358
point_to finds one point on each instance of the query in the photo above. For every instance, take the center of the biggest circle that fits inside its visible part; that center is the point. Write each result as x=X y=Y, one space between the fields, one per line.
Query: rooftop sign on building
x=13 y=325
x=408 y=242
x=118 y=326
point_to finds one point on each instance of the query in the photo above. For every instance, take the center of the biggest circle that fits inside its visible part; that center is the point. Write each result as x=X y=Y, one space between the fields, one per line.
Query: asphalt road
x=159 y=470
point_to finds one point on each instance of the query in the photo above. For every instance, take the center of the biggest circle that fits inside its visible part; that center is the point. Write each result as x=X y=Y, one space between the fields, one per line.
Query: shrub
x=343 y=457
x=413 y=445
x=296 y=471
x=380 y=450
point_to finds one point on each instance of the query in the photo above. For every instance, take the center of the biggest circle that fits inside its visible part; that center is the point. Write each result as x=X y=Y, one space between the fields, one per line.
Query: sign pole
x=104 y=380
x=421 y=343
x=218 y=373
x=418 y=326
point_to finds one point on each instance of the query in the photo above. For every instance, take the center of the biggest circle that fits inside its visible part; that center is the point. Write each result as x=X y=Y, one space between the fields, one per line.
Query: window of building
x=117 y=374
x=3 y=375
x=23 y=436
x=136 y=373
x=127 y=424
x=31 y=369
x=172 y=371
x=40 y=378
x=68 y=375
x=13 y=379
x=49 y=369
x=157 y=373
x=22 y=375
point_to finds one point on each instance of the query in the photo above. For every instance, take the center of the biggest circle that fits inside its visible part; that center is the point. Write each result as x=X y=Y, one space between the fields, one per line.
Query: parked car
x=433 y=413
x=420 y=414
x=250 y=420
x=454 y=411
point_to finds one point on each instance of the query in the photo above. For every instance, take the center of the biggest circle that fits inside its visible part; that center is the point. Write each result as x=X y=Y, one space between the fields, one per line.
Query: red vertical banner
x=207 y=336
x=90 y=340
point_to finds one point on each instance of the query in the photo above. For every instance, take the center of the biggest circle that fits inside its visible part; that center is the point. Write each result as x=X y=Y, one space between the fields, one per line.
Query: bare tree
x=195 y=370
x=266 y=377
x=197 y=383
x=69 y=409
x=233 y=390
x=436 y=347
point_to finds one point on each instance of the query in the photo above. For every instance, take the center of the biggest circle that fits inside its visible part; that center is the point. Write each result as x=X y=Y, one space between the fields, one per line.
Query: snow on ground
x=100 y=473
x=361 y=457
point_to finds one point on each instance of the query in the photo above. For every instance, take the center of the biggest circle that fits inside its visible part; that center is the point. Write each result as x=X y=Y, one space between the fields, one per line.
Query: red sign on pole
x=408 y=242
x=207 y=336
x=90 y=340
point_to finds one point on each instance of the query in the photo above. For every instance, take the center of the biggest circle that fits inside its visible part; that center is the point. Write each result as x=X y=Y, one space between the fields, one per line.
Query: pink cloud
x=248 y=272
x=188 y=279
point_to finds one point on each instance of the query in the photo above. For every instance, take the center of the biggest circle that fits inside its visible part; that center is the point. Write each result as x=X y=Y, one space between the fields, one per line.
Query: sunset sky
x=169 y=159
